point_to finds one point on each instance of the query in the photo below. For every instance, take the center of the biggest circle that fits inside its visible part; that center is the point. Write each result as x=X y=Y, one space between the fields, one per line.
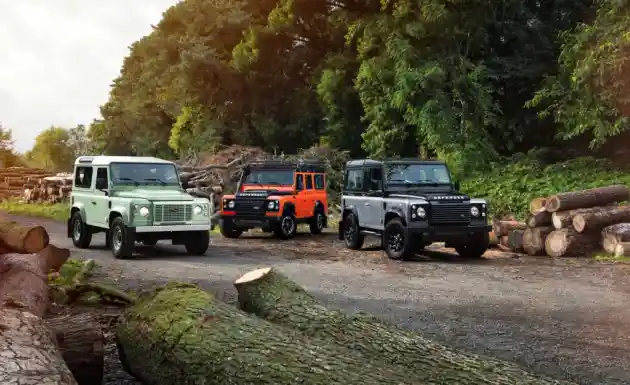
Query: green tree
x=8 y=156
x=53 y=150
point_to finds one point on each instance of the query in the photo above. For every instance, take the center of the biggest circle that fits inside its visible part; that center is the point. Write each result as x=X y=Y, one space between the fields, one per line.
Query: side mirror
x=456 y=185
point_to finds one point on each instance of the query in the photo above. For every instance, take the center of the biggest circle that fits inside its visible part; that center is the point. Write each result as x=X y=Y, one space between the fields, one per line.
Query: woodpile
x=35 y=349
x=14 y=179
x=47 y=189
x=279 y=334
x=575 y=223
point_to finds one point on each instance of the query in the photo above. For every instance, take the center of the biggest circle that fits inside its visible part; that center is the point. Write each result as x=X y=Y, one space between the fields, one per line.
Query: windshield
x=405 y=174
x=270 y=177
x=144 y=174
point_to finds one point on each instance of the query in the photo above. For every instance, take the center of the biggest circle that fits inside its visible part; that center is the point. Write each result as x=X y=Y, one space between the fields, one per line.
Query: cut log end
x=253 y=275
x=556 y=243
x=537 y=204
x=579 y=223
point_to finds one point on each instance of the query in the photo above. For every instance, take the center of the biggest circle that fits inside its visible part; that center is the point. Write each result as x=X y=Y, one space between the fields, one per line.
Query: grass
x=57 y=212
x=605 y=257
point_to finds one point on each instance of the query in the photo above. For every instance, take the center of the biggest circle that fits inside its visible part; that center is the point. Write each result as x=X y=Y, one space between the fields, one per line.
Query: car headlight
x=421 y=212
x=198 y=210
x=231 y=204
x=272 y=205
x=144 y=211
x=474 y=211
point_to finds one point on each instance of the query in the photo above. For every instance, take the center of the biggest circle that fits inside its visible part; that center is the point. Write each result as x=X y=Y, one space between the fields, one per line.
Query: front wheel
x=197 y=243
x=475 y=247
x=120 y=242
x=286 y=227
x=397 y=243
x=81 y=234
x=228 y=229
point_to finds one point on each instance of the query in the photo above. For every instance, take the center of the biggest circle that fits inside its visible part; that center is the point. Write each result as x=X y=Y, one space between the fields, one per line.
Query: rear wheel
x=476 y=246
x=397 y=243
x=316 y=223
x=352 y=236
x=81 y=234
x=228 y=229
x=197 y=242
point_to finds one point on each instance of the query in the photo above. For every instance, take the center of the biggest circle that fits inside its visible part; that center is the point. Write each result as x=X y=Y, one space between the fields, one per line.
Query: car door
x=100 y=199
x=374 y=212
x=355 y=193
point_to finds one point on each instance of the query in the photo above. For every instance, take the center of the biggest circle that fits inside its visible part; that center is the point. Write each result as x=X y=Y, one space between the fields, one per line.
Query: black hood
x=261 y=194
x=434 y=196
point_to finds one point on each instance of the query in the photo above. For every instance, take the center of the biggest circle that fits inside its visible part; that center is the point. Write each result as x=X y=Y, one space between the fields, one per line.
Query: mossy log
x=180 y=334
x=536 y=204
x=539 y=219
x=564 y=219
x=22 y=239
x=614 y=235
x=534 y=240
x=81 y=343
x=570 y=243
x=272 y=296
x=600 y=196
x=602 y=217
x=28 y=351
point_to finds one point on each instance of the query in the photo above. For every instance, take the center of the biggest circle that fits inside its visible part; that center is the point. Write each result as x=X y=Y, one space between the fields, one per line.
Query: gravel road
x=562 y=318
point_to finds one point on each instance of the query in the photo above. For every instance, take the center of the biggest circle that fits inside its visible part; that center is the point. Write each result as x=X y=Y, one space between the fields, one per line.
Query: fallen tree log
x=28 y=351
x=534 y=240
x=568 y=242
x=601 y=217
x=564 y=219
x=622 y=249
x=536 y=204
x=55 y=257
x=614 y=235
x=539 y=219
x=180 y=334
x=502 y=228
x=272 y=296
x=22 y=239
x=81 y=343
x=515 y=240
x=24 y=282
x=600 y=196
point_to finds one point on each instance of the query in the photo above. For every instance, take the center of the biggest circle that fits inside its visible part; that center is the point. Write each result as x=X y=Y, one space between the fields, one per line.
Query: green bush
x=510 y=188
x=58 y=211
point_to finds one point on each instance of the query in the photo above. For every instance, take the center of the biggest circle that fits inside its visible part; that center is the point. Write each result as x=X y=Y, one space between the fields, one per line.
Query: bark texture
x=537 y=204
x=601 y=217
x=22 y=239
x=515 y=240
x=183 y=335
x=600 y=196
x=534 y=240
x=270 y=295
x=28 y=352
x=24 y=282
x=570 y=243
x=81 y=343
x=614 y=235
x=564 y=219
x=539 y=219
x=502 y=228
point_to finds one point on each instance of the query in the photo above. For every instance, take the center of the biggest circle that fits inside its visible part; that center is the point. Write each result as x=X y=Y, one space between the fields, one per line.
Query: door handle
x=93 y=202
x=367 y=204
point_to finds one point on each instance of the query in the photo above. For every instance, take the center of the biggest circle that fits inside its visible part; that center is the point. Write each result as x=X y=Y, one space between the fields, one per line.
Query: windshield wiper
x=434 y=182
x=160 y=181
x=129 y=180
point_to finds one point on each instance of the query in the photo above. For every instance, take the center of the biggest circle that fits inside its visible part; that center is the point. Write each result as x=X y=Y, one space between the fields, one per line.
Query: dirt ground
x=564 y=318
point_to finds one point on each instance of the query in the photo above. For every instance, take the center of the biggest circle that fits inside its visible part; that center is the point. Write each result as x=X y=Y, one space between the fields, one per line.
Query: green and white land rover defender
x=135 y=199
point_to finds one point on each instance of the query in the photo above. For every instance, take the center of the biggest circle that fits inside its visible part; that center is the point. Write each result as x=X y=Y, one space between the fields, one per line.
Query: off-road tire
x=228 y=229
x=476 y=246
x=120 y=242
x=352 y=237
x=197 y=242
x=81 y=233
x=397 y=244
x=283 y=229
x=316 y=224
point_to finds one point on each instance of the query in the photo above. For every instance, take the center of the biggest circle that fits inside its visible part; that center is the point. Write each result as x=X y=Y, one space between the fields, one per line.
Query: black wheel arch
x=395 y=213
x=288 y=206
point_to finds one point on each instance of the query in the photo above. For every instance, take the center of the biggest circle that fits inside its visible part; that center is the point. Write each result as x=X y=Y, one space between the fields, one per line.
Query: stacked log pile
x=576 y=223
x=47 y=189
x=279 y=334
x=14 y=179
x=33 y=349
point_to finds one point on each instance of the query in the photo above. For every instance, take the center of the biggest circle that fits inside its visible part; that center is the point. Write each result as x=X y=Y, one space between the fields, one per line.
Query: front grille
x=450 y=214
x=172 y=213
x=250 y=207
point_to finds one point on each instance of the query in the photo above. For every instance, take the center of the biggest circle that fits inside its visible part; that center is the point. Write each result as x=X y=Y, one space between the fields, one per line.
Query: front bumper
x=264 y=221
x=445 y=233
x=172 y=228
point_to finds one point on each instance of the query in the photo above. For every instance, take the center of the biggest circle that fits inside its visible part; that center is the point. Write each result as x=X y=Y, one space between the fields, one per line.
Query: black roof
x=372 y=162
x=299 y=165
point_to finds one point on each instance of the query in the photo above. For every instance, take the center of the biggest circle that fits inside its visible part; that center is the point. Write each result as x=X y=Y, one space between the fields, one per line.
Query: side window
x=309 y=182
x=319 y=182
x=101 y=179
x=299 y=183
x=376 y=179
x=354 y=179
x=83 y=177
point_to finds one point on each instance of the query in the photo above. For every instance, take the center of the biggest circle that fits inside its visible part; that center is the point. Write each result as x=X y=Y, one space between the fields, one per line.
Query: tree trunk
x=537 y=204
x=600 y=196
x=622 y=249
x=28 y=351
x=55 y=257
x=597 y=219
x=81 y=343
x=539 y=219
x=564 y=219
x=570 y=243
x=21 y=239
x=24 y=282
x=515 y=240
x=502 y=228
x=183 y=335
x=534 y=240
x=270 y=295
x=614 y=235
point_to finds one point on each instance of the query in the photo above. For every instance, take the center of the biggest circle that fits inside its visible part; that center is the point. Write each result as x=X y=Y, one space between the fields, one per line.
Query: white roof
x=106 y=160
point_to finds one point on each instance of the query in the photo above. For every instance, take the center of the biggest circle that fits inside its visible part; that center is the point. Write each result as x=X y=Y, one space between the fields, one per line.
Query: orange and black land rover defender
x=277 y=196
